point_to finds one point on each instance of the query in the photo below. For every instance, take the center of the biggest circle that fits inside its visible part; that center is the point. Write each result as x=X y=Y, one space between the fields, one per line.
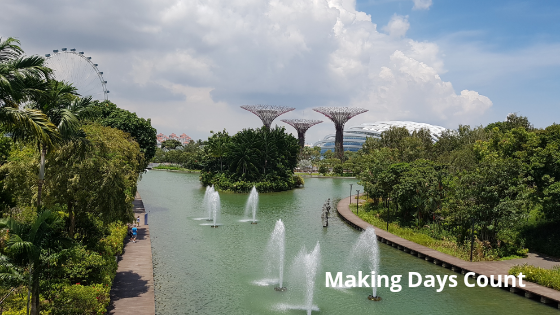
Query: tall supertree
x=267 y=113
x=339 y=116
x=301 y=126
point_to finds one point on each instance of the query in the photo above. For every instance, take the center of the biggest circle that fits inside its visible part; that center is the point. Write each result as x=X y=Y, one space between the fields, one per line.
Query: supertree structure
x=267 y=113
x=339 y=116
x=301 y=126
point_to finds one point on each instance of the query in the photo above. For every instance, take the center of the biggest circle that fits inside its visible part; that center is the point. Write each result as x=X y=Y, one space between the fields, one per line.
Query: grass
x=446 y=246
x=174 y=168
x=326 y=175
x=549 y=278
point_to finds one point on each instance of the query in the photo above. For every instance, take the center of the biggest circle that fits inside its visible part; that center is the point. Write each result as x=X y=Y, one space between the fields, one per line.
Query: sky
x=189 y=64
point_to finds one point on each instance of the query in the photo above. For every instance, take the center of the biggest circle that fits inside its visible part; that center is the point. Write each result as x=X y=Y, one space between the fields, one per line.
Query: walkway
x=133 y=287
x=487 y=268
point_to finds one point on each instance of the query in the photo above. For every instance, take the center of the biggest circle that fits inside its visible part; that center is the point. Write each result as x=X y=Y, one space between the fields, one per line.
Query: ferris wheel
x=74 y=67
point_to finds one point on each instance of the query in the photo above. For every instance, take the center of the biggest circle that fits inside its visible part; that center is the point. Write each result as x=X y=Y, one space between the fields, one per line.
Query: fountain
x=366 y=251
x=206 y=207
x=215 y=207
x=275 y=253
x=251 y=206
x=303 y=272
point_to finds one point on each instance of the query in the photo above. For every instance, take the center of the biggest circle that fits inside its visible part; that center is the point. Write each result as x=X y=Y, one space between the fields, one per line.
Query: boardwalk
x=531 y=290
x=133 y=288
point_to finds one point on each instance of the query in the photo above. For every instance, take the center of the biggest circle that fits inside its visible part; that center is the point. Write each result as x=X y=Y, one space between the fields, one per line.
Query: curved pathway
x=486 y=268
x=133 y=288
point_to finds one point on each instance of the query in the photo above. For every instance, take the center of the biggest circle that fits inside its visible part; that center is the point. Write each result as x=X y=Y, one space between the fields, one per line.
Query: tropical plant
x=21 y=78
x=60 y=103
x=27 y=246
x=141 y=130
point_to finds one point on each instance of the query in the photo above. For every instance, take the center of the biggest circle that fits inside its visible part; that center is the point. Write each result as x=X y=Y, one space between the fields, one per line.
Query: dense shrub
x=298 y=181
x=82 y=299
x=272 y=183
x=253 y=157
x=113 y=243
x=338 y=169
x=323 y=170
x=545 y=277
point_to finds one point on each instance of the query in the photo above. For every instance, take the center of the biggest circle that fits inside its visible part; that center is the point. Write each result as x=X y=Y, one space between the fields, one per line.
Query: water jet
x=252 y=205
x=366 y=252
x=275 y=250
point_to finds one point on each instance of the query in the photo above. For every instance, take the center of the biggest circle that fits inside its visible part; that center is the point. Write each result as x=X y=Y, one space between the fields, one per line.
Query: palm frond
x=9 y=49
x=28 y=125
x=69 y=123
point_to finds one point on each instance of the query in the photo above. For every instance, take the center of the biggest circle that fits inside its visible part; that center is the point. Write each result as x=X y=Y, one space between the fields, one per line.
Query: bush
x=89 y=267
x=338 y=169
x=113 y=243
x=82 y=299
x=271 y=183
x=544 y=277
x=323 y=170
x=298 y=180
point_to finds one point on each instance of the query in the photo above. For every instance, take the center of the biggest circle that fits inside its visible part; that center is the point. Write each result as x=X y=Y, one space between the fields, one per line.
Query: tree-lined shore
x=69 y=167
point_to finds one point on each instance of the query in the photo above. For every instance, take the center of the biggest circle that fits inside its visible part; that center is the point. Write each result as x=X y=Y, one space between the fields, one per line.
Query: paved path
x=133 y=287
x=486 y=268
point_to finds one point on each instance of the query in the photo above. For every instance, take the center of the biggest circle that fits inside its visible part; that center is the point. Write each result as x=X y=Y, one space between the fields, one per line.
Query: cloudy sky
x=189 y=64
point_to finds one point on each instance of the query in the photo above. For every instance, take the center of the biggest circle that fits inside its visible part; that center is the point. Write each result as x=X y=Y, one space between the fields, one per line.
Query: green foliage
x=323 y=170
x=170 y=144
x=90 y=183
x=512 y=122
x=445 y=244
x=488 y=179
x=298 y=181
x=113 y=243
x=549 y=278
x=338 y=169
x=542 y=237
x=190 y=156
x=101 y=180
x=16 y=302
x=82 y=299
x=80 y=265
x=252 y=157
x=141 y=130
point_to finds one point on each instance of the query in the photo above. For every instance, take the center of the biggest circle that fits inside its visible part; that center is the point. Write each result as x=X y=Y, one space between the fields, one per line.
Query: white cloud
x=422 y=4
x=189 y=64
x=397 y=26
x=408 y=89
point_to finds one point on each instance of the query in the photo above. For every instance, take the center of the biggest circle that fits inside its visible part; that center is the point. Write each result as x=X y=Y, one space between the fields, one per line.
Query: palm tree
x=26 y=242
x=62 y=106
x=20 y=78
x=244 y=154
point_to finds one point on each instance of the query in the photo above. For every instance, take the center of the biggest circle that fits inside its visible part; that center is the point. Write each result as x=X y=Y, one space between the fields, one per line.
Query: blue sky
x=503 y=29
x=189 y=64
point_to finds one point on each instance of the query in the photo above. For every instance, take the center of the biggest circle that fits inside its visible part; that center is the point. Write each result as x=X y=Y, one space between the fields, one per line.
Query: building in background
x=354 y=137
x=183 y=138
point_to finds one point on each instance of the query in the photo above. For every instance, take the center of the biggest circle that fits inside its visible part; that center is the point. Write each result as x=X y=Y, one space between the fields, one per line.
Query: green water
x=204 y=270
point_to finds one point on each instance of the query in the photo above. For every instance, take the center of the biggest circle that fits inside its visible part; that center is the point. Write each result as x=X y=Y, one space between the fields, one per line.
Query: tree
x=58 y=103
x=141 y=130
x=102 y=181
x=244 y=156
x=217 y=146
x=260 y=157
x=170 y=144
x=27 y=245
x=20 y=78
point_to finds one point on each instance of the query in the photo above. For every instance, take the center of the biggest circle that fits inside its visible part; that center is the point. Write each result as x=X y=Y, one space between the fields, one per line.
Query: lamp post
x=351 y=193
x=472 y=236
x=357 y=200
